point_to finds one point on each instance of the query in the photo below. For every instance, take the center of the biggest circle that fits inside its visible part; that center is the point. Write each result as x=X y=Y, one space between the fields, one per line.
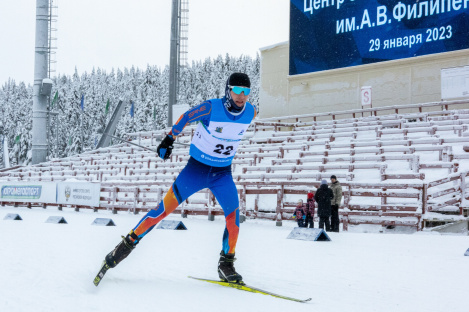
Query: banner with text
x=328 y=34
x=78 y=193
x=32 y=192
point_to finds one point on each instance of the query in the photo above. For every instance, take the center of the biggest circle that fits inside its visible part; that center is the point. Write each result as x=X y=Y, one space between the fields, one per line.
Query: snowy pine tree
x=73 y=130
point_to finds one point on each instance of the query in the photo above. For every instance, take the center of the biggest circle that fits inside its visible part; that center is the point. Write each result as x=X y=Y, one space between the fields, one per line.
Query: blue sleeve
x=200 y=112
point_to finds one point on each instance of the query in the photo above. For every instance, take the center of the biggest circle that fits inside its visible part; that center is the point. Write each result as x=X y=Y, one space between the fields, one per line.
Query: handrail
x=396 y=108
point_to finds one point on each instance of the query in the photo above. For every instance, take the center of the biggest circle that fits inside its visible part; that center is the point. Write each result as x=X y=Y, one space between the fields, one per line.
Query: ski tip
x=242 y=286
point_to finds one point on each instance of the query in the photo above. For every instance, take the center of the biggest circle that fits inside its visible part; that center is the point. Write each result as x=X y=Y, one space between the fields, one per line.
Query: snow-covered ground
x=51 y=267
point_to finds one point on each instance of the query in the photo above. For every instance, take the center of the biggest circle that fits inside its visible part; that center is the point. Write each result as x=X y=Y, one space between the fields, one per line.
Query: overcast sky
x=122 y=33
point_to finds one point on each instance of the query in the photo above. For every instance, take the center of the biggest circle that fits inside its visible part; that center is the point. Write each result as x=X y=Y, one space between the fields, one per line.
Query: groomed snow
x=51 y=267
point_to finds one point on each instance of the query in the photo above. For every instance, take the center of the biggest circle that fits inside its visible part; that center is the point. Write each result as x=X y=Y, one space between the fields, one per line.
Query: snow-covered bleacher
x=399 y=169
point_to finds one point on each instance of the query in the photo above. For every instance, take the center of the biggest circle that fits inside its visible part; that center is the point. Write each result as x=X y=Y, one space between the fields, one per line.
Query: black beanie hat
x=239 y=80
x=235 y=80
x=333 y=177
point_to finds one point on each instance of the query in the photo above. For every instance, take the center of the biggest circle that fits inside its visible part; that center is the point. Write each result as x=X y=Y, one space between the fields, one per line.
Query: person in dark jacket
x=323 y=198
x=300 y=213
x=309 y=210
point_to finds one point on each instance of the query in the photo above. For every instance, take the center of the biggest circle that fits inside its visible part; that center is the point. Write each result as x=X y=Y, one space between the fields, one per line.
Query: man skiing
x=222 y=124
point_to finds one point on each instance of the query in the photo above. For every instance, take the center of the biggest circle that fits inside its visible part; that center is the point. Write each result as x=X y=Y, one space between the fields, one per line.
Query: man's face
x=239 y=99
x=333 y=180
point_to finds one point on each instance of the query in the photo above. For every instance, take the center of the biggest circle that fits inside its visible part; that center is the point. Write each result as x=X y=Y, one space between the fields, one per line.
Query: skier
x=222 y=124
x=323 y=197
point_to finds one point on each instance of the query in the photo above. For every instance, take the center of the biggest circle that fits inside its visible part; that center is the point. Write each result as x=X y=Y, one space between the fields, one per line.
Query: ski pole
x=141 y=146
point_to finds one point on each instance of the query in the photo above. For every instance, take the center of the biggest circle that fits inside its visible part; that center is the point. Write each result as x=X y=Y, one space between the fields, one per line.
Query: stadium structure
x=353 y=98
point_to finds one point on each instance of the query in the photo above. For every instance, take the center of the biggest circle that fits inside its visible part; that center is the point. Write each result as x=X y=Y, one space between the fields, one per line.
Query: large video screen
x=328 y=34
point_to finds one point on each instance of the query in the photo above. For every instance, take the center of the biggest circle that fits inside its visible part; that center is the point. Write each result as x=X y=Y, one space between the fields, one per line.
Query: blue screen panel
x=328 y=34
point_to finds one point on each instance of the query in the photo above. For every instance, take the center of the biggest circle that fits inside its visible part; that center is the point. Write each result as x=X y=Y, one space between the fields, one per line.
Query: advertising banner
x=329 y=34
x=78 y=193
x=34 y=192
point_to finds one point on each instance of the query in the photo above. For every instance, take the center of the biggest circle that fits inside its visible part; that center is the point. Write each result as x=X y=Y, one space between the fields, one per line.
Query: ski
x=101 y=273
x=243 y=286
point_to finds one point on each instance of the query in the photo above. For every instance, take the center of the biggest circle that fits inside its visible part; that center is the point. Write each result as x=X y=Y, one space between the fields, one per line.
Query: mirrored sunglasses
x=238 y=90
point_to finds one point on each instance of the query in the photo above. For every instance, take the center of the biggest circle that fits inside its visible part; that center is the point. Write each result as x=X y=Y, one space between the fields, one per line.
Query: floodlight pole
x=39 y=132
x=173 y=61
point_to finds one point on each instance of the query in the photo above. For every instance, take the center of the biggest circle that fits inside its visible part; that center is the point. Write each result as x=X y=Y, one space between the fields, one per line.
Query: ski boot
x=121 y=252
x=113 y=258
x=226 y=270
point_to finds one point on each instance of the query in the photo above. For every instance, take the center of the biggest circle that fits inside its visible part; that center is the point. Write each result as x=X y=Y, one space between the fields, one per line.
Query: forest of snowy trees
x=74 y=130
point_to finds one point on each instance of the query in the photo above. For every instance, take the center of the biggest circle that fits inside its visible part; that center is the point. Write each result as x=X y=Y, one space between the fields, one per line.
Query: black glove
x=165 y=148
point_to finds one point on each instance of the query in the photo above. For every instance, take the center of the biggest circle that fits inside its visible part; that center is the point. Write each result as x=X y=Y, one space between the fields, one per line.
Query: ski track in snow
x=51 y=267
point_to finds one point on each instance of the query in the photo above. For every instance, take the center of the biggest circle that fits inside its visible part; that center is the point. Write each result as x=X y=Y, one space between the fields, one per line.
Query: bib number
x=220 y=149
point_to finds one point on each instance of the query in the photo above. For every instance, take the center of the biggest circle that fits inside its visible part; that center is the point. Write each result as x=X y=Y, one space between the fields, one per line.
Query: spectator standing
x=323 y=197
x=300 y=213
x=335 y=203
x=309 y=210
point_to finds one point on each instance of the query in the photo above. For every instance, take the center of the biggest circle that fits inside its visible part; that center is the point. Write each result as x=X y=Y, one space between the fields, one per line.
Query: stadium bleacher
x=395 y=170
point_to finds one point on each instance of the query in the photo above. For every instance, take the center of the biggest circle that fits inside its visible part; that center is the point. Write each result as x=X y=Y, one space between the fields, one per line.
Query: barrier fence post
x=462 y=188
x=242 y=204
x=136 y=195
x=114 y=198
x=279 y=206
x=424 y=198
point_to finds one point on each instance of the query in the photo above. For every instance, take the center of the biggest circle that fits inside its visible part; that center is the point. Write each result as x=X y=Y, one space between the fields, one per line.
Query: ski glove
x=165 y=148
